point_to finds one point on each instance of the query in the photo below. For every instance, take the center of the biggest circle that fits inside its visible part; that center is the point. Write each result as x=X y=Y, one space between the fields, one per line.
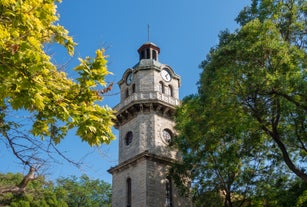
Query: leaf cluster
x=32 y=83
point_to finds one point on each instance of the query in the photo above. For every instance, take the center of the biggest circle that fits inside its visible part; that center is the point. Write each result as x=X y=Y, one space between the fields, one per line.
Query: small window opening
x=128 y=138
x=171 y=92
x=148 y=53
x=133 y=88
x=128 y=192
x=161 y=87
x=127 y=93
x=142 y=55
x=169 y=196
x=154 y=55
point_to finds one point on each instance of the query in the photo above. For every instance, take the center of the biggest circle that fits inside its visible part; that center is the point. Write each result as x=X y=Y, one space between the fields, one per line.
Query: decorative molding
x=146 y=155
x=143 y=107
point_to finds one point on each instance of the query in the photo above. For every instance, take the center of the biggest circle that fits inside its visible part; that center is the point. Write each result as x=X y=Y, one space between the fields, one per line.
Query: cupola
x=149 y=51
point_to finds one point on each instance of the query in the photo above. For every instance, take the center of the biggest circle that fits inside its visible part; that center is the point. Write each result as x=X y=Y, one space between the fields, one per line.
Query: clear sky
x=184 y=30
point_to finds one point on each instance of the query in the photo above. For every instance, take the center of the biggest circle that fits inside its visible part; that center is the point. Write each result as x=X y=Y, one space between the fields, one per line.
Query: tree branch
x=291 y=99
x=20 y=188
x=276 y=137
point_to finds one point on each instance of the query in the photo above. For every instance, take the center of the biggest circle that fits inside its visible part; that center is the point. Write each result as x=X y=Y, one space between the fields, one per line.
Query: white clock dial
x=166 y=75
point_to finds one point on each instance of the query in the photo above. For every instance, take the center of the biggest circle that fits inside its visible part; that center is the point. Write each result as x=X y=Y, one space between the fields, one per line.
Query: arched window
x=166 y=90
x=128 y=192
x=128 y=138
x=133 y=88
x=169 y=193
x=161 y=87
x=170 y=91
x=127 y=93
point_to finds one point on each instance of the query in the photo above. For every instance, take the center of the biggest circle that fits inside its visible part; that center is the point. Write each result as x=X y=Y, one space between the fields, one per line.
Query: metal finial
x=148 y=32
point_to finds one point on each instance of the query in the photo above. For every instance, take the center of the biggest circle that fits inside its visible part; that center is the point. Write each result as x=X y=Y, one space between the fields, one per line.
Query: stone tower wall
x=142 y=128
x=148 y=185
x=156 y=185
x=138 y=186
x=159 y=145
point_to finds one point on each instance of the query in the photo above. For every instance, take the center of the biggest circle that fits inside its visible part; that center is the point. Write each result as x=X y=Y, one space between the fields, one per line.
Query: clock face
x=166 y=75
x=166 y=135
x=129 y=78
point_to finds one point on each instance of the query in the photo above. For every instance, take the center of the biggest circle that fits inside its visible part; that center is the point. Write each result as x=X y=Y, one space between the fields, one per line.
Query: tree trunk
x=20 y=188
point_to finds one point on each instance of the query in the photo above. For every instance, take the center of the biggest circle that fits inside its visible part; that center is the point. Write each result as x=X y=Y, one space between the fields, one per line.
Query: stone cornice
x=146 y=155
x=143 y=107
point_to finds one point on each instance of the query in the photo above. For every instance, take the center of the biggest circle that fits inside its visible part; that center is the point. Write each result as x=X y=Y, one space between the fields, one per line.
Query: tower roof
x=149 y=45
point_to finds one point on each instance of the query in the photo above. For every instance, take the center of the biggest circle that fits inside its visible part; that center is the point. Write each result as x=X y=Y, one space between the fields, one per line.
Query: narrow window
x=148 y=53
x=169 y=196
x=128 y=138
x=127 y=93
x=154 y=55
x=128 y=192
x=170 y=88
x=142 y=55
x=133 y=88
x=167 y=91
x=161 y=87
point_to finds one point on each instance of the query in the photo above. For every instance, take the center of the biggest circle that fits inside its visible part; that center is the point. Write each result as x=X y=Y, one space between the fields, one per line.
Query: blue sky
x=184 y=30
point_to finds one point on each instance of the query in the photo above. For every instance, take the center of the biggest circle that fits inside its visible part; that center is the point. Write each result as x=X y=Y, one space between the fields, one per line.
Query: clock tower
x=149 y=94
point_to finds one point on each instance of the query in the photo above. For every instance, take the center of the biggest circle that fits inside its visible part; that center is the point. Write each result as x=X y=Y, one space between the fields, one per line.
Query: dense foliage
x=71 y=191
x=38 y=101
x=246 y=128
x=30 y=81
x=84 y=192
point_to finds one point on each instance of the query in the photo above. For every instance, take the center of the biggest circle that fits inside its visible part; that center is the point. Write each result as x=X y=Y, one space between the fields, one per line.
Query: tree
x=223 y=162
x=251 y=104
x=84 y=192
x=31 y=85
x=71 y=191
x=282 y=29
x=38 y=193
x=265 y=66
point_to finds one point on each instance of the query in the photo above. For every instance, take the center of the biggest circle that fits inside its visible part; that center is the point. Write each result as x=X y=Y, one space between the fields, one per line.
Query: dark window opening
x=142 y=55
x=127 y=93
x=169 y=196
x=129 y=137
x=147 y=53
x=133 y=88
x=128 y=192
x=161 y=87
x=154 y=55
x=171 y=93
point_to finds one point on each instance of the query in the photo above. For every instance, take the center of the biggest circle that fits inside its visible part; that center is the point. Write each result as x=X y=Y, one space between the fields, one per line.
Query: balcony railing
x=153 y=96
